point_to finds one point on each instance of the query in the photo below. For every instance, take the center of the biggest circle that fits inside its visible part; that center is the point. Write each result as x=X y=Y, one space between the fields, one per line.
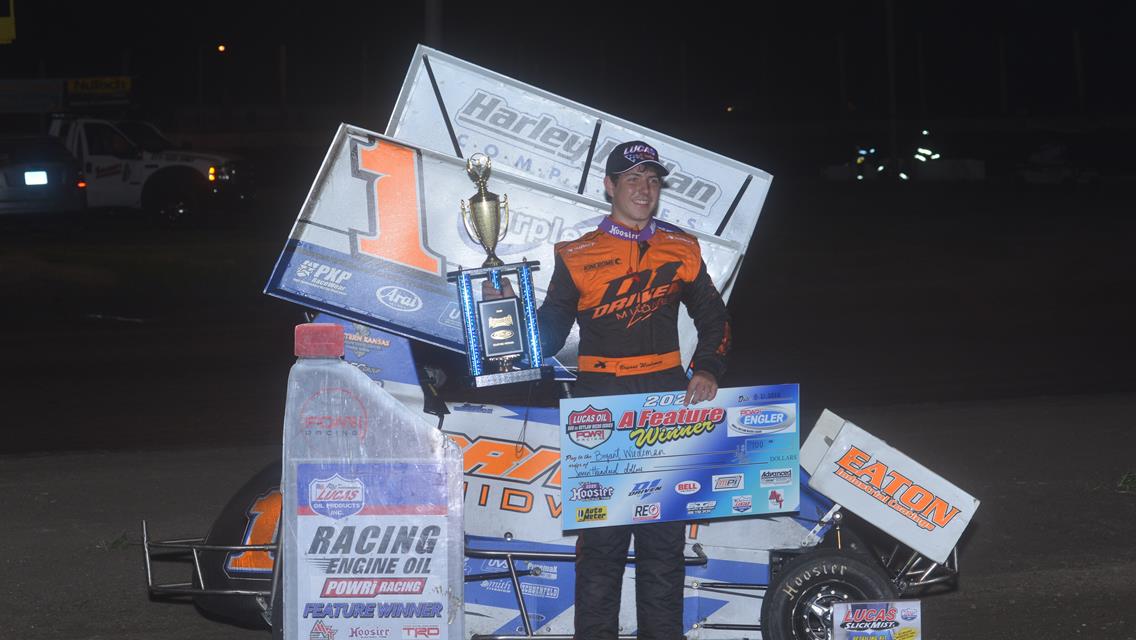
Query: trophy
x=501 y=335
x=487 y=227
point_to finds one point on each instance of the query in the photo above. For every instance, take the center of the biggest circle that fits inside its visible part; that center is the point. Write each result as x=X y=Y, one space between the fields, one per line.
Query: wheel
x=798 y=604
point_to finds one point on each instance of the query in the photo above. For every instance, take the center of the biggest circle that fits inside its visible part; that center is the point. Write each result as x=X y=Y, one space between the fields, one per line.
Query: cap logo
x=637 y=153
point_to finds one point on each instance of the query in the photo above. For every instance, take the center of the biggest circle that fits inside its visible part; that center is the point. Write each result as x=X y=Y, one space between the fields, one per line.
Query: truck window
x=102 y=140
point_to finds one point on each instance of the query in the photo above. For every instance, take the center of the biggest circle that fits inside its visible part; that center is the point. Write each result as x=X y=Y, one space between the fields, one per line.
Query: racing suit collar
x=625 y=233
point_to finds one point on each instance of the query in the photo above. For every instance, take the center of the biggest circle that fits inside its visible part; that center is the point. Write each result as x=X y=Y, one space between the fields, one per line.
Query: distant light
x=859 y=176
x=925 y=152
x=82 y=184
x=729 y=108
x=920 y=157
x=212 y=174
x=862 y=152
x=925 y=132
x=860 y=160
x=935 y=156
x=220 y=48
x=902 y=176
x=879 y=168
x=35 y=178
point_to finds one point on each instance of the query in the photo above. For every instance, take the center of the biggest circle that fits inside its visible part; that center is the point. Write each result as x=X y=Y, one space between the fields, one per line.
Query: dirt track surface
x=984 y=331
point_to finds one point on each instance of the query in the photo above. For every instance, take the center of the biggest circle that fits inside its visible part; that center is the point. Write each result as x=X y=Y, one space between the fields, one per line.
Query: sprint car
x=771 y=577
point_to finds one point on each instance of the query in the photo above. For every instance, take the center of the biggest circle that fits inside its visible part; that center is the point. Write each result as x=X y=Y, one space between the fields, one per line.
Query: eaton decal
x=399 y=299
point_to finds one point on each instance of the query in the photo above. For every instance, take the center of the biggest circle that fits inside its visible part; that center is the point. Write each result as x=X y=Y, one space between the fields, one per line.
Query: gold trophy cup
x=487 y=217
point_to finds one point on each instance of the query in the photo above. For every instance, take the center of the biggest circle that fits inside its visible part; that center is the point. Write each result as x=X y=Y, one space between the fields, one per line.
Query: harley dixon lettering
x=652 y=427
x=897 y=491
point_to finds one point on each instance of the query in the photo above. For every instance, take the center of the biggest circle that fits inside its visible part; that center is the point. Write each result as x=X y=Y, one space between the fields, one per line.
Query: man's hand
x=702 y=386
x=489 y=292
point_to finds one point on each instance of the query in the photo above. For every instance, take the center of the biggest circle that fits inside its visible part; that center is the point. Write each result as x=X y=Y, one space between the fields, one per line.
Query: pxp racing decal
x=590 y=491
x=336 y=497
x=333 y=413
x=323 y=276
x=651 y=427
x=894 y=489
x=590 y=427
x=763 y=420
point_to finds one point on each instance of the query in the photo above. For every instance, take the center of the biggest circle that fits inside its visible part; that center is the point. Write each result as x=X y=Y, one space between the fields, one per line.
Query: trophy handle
x=505 y=218
x=469 y=227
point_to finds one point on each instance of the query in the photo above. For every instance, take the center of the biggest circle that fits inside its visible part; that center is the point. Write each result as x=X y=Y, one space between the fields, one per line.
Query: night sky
x=769 y=61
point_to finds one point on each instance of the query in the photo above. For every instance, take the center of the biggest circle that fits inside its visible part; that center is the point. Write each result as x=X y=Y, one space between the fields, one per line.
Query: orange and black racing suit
x=623 y=288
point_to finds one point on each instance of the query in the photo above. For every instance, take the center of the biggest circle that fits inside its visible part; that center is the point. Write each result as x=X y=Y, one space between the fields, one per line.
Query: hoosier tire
x=798 y=604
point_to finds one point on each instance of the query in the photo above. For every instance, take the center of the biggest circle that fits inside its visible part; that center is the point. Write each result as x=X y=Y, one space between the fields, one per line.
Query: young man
x=623 y=283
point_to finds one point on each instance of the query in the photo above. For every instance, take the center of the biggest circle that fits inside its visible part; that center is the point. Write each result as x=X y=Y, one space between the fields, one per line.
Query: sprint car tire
x=230 y=529
x=798 y=604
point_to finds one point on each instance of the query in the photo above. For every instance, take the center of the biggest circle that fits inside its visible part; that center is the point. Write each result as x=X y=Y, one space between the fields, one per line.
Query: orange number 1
x=396 y=213
x=264 y=516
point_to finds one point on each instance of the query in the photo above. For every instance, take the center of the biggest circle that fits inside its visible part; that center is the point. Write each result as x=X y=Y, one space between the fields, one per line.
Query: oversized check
x=641 y=458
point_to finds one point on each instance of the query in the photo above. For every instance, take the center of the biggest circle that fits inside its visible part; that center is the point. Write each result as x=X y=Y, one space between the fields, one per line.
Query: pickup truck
x=131 y=164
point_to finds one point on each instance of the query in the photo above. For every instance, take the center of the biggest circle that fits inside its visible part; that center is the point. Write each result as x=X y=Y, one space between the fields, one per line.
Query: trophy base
x=507 y=377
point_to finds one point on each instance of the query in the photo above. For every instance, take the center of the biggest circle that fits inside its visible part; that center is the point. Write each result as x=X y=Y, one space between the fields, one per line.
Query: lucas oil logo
x=748 y=421
x=590 y=427
x=398 y=298
x=336 y=497
x=742 y=504
x=323 y=276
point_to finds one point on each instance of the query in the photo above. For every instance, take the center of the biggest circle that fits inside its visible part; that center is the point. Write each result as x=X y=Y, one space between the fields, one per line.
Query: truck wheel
x=798 y=604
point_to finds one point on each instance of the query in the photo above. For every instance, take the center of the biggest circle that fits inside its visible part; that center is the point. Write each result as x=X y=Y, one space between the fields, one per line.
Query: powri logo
x=336 y=497
x=589 y=427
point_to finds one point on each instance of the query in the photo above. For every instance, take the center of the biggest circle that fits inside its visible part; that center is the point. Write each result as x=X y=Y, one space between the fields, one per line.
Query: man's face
x=634 y=195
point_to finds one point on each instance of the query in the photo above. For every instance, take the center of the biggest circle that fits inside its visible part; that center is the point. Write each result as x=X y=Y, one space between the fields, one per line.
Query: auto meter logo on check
x=765 y=420
x=590 y=427
x=336 y=497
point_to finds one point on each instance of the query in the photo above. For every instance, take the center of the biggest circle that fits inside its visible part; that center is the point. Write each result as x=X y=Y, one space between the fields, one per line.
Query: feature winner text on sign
x=650 y=458
x=372 y=540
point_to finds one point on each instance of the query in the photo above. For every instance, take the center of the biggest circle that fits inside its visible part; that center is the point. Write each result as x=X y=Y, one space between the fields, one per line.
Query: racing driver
x=622 y=283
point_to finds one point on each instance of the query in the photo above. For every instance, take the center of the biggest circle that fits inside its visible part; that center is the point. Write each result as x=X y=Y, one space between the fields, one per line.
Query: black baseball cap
x=629 y=155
